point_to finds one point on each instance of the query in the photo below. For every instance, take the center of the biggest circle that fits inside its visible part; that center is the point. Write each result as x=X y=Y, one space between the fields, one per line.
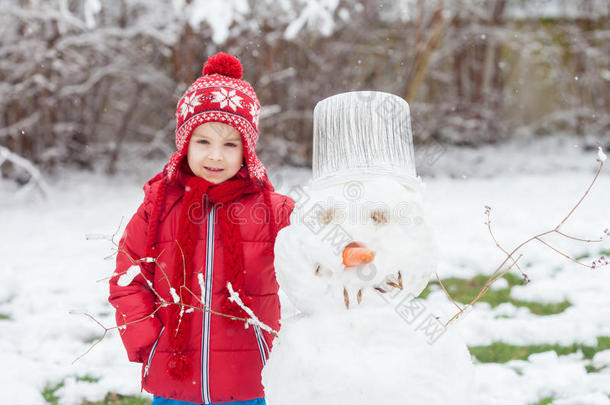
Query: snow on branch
x=253 y=320
x=27 y=122
x=601 y=156
x=35 y=176
x=134 y=271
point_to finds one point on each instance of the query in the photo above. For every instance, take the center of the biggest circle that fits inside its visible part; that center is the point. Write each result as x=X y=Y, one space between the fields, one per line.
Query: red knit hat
x=219 y=96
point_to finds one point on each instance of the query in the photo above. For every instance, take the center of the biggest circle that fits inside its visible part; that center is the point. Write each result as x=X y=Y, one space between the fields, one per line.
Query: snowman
x=356 y=255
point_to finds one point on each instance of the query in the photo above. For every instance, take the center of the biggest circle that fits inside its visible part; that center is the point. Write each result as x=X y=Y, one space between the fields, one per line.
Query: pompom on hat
x=220 y=95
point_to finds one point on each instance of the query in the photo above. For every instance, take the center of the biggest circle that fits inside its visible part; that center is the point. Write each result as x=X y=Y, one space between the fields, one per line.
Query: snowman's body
x=384 y=349
x=365 y=356
x=357 y=253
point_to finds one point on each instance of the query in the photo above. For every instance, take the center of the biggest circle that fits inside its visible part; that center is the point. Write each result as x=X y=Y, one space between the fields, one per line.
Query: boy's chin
x=216 y=179
x=212 y=180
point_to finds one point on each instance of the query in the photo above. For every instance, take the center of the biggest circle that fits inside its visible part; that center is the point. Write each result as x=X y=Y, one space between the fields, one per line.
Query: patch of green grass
x=88 y=378
x=543 y=401
x=588 y=255
x=117 y=399
x=603 y=342
x=591 y=369
x=518 y=371
x=92 y=339
x=499 y=352
x=464 y=291
x=49 y=393
x=539 y=308
x=4 y=317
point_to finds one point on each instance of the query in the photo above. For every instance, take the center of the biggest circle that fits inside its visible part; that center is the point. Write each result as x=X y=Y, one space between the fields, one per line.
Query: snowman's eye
x=327 y=215
x=379 y=216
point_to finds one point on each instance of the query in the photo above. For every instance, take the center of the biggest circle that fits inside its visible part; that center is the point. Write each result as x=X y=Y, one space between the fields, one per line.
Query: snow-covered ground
x=49 y=269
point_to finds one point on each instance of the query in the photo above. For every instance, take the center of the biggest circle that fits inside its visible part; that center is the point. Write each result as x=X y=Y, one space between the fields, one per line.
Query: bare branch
x=499 y=273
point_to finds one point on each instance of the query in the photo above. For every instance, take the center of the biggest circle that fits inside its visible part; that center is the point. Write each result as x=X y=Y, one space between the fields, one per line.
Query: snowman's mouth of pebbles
x=390 y=282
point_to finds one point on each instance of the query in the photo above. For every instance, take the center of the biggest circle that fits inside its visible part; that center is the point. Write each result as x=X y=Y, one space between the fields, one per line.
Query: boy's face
x=215 y=152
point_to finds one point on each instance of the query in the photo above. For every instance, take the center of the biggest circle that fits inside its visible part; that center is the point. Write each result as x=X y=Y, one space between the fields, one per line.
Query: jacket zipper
x=263 y=348
x=152 y=352
x=205 y=333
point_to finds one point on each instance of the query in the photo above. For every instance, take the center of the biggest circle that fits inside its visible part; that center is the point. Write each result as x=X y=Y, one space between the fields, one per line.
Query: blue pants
x=163 y=401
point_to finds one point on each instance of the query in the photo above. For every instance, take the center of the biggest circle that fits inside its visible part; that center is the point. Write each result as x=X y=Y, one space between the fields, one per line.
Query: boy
x=211 y=217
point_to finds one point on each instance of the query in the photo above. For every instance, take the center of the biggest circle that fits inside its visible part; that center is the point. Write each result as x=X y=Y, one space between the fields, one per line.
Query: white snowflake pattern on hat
x=227 y=98
x=189 y=104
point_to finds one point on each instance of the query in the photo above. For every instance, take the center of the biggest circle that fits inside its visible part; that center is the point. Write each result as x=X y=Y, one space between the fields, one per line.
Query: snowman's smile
x=389 y=283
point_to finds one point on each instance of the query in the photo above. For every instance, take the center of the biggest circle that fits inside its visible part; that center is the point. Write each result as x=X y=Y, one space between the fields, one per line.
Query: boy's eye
x=202 y=141
x=231 y=144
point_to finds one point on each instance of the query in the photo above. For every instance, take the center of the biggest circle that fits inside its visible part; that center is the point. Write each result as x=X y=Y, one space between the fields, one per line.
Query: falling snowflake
x=227 y=98
x=255 y=112
x=189 y=104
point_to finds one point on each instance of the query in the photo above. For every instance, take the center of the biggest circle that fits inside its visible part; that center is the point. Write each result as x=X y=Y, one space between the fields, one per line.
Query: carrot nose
x=356 y=253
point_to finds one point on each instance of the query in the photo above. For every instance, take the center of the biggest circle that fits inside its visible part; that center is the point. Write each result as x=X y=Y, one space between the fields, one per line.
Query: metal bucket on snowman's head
x=363 y=133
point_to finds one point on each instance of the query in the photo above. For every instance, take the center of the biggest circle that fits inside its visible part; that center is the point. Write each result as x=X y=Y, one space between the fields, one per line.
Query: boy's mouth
x=213 y=169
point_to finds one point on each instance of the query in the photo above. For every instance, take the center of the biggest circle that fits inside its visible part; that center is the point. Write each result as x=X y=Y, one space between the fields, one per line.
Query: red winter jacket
x=227 y=358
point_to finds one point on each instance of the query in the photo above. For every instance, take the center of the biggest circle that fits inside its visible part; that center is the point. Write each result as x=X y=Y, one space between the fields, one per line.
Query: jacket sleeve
x=283 y=214
x=134 y=300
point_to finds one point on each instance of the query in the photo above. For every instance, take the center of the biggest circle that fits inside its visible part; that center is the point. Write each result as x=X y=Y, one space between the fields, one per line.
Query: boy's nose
x=215 y=155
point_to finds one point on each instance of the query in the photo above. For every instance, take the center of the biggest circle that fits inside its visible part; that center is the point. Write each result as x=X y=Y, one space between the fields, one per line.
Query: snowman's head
x=351 y=241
